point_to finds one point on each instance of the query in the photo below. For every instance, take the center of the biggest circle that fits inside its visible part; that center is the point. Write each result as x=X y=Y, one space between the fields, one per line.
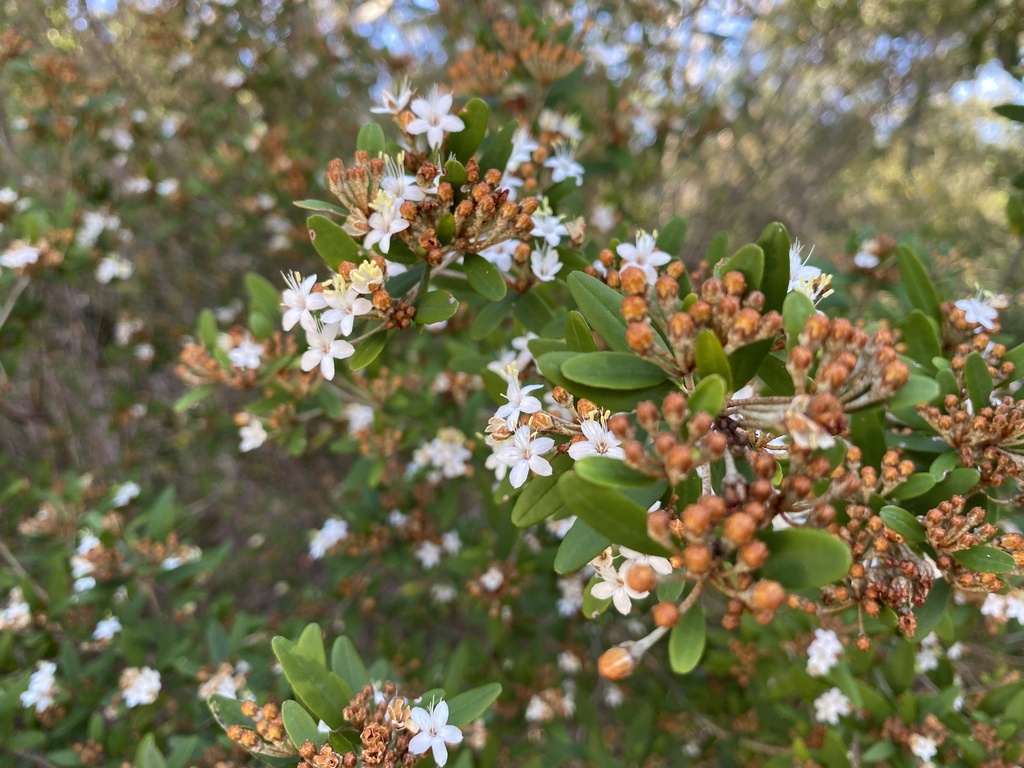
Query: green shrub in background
x=578 y=493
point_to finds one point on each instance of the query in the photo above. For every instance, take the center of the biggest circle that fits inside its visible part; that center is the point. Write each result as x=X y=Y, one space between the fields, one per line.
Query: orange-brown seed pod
x=767 y=595
x=634 y=309
x=666 y=288
x=753 y=554
x=696 y=520
x=700 y=424
x=634 y=281
x=640 y=337
x=615 y=664
x=619 y=425
x=681 y=327
x=665 y=614
x=664 y=442
x=679 y=461
x=735 y=283
x=739 y=528
x=697 y=559
x=642 y=578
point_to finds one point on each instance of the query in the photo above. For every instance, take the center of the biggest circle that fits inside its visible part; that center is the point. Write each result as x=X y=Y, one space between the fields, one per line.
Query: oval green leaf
x=805 y=557
x=979 y=381
x=708 y=396
x=918 y=285
x=468 y=706
x=368 y=350
x=541 y=498
x=711 y=357
x=986 y=559
x=578 y=335
x=464 y=143
x=333 y=243
x=774 y=242
x=611 y=472
x=435 y=306
x=613 y=370
x=580 y=545
x=500 y=148
x=348 y=665
x=299 y=725
x=903 y=523
x=686 y=641
x=371 y=139
x=749 y=260
x=609 y=512
x=485 y=278
x=671 y=237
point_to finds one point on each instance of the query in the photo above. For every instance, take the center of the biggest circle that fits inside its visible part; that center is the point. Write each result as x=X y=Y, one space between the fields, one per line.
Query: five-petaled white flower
x=831 y=705
x=658 y=564
x=432 y=117
x=522 y=149
x=563 y=164
x=525 y=453
x=549 y=227
x=18 y=256
x=434 y=732
x=644 y=255
x=298 y=300
x=393 y=98
x=106 y=629
x=500 y=255
x=345 y=306
x=399 y=183
x=799 y=270
x=324 y=347
x=976 y=310
x=613 y=585
x=251 y=435
x=519 y=399
x=599 y=442
x=545 y=264
x=247 y=353
x=385 y=221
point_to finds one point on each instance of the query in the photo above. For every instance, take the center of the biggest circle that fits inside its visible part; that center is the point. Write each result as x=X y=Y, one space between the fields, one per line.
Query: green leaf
x=686 y=641
x=347 y=664
x=711 y=359
x=708 y=396
x=747 y=360
x=917 y=390
x=903 y=523
x=671 y=237
x=921 y=335
x=490 y=317
x=371 y=139
x=930 y=614
x=986 y=559
x=918 y=285
x=867 y=433
x=915 y=485
x=805 y=557
x=299 y=725
x=446 y=228
x=957 y=482
x=368 y=350
x=321 y=691
x=1014 y=112
x=194 y=397
x=148 y=755
x=464 y=143
x=500 y=149
x=578 y=336
x=774 y=242
x=485 y=278
x=435 y=306
x=206 y=329
x=399 y=285
x=601 y=307
x=263 y=296
x=979 y=381
x=540 y=499
x=468 y=706
x=320 y=207
x=556 y=193
x=775 y=376
x=593 y=607
x=311 y=644
x=580 y=545
x=750 y=261
x=613 y=370
x=533 y=312
x=877 y=752
x=609 y=512
x=611 y=472
x=550 y=365
x=333 y=243
x=796 y=310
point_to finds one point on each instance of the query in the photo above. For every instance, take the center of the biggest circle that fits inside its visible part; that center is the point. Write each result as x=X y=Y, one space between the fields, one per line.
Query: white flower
x=799 y=269
x=923 y=747
x=523 y=148
x=644 y=255
x=333 y=531
x=7 y=196
x=823 y=653
x=434 y=732
x=19 y=256
x=657 y=564
x=366 y=278
x=124 y=494
x=324 y=347
x=927 y=657
x=451 y=542
x=613 y=696
x=385 y=221
x=106 y=629
x=139 y=686
x=42 y=687
x=247 y=353
x=345 y=307
x=830 y=706
x=500 y=255
x=360 y=417
x=393 y=98
x=955 y=652
x=428 y=553
x=549 y=227
x=976 y=310
x=17 y=615
x=563 y=164
x=512 y=183
x=519 y=399
x=865 y=260
x=251 y=434
x=571 y=601
x=400 y=184
x=538 y=710
x=298 y=300
x=545 y=264
x=137 y=185
x=524 y=454
x=614 y=586
x=432 y=118
x=442 y=594
x=569 y=662
x=111 y=267
x=602 y=217
x=492 y=579
x=599 y=442
x=167 y=187
x=396 y=518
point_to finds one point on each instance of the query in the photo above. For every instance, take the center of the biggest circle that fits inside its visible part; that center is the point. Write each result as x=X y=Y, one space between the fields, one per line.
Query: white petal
x=440 y=752
x=311 y=359
x=543 y=445
x=327 y=367
x=603 y=590
x=582 y=450
x=621 y=602
x=540 y=465
x=440 y=711
x=420 y=743
x=520 y=472
x=450 y=734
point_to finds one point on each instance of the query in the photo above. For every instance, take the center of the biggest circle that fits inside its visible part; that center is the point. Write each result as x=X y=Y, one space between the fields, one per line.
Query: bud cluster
x=268 y=737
